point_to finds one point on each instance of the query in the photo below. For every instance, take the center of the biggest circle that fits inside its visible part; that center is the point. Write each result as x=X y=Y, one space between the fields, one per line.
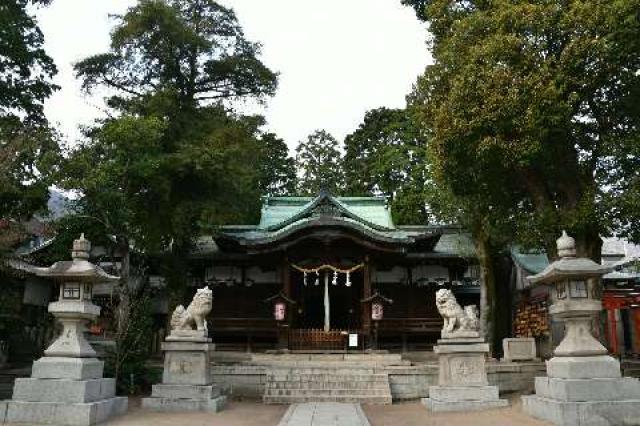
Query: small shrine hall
x=332 y=273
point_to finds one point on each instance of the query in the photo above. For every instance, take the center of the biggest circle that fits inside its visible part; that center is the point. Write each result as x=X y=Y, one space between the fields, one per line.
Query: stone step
x=326 y=398
x=333 y=378
x=326 y=385
x=332 y=392
x=338 y=371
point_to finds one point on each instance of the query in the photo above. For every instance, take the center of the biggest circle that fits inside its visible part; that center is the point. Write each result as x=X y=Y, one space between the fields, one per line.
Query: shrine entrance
x=341 y=310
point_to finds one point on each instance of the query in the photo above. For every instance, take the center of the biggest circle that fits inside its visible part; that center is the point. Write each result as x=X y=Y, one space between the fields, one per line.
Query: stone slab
x=63 y=413
x=175 y=404
x=519 y=348
x=583 y=367
x=444 y=406
x=67 y=368
x=592 y=413
x=462 y=369
x=324 y=414
x=185 y=391
x=187 y=346
x=588 y=389
x=186 y=367
x=463 y=393
x=461 y=348
x=63 y=390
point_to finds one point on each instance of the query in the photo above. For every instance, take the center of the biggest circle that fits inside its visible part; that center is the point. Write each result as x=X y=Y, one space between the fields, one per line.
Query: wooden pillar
x=366 y=292
x=612 y=331
x=636 y=334
x=283 y=329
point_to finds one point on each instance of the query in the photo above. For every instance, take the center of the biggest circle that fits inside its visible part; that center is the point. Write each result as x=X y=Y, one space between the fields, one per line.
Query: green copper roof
x=278 y=212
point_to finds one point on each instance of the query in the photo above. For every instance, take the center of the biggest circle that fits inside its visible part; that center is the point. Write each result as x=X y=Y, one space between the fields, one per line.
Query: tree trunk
x=122 y=308
x=487 y=283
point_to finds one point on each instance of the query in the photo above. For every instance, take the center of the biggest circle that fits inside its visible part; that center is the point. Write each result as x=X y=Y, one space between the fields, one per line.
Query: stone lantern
x=583 y=384
x=66 y=385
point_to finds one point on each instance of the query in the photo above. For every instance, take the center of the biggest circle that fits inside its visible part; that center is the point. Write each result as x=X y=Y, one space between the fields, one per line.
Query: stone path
x=324 y=414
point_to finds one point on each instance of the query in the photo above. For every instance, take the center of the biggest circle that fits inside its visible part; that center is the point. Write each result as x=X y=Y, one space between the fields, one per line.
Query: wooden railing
x=410 y=325
x=244 y=325
x=314 y=339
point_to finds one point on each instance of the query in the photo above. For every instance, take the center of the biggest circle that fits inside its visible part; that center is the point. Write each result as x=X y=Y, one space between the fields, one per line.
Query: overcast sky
x=336 y=58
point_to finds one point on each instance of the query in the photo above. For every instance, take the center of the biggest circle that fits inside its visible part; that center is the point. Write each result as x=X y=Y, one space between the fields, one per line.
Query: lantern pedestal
x=462 y=379
x=186 y=379
x=583 y=384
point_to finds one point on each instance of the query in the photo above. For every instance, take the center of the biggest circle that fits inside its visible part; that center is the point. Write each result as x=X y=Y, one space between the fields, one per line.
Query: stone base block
x=175 y=404
x=185 y=391
x=586 y=413
x=583 y=367
x=63 y=390
x=463 y=398
x=186 y=363
x=463 y=393
x=576 y=390
x=63 y=413
x=442 y=406
x=67 y=368
x=185 y=398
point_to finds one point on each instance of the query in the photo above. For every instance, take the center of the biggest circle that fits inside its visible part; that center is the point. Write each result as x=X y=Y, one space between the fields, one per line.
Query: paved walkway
x=324 y=414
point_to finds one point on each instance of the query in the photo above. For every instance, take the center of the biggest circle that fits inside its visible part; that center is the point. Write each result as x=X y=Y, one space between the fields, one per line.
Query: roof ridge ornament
x=566 y=245
x=81 y=248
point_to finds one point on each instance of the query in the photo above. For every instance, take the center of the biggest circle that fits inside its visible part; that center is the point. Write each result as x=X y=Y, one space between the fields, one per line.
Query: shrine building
x=317 y=272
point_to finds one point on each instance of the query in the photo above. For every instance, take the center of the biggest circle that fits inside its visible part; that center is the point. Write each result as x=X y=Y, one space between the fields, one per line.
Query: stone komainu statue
x=456 y=319
x=195 y=314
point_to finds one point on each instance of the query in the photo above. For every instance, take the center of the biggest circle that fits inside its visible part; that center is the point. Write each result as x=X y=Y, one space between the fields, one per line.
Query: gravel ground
x=254 y=413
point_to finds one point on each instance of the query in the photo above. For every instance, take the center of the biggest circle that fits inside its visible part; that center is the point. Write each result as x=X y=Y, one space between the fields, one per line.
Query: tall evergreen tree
x=277 y=170
x=319 y=164
x=28 y=147
x=385 y=155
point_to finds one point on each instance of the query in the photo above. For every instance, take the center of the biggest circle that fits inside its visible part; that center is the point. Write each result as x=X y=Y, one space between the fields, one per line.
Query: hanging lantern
x=305 y=277
x=335 y=278
x=348 y=281
x=279 y=311
x=377 y=311
x=317 y=278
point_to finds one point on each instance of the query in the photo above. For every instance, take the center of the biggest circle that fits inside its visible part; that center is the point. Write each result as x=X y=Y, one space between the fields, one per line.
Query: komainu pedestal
x=462 y=378
x=186 y=378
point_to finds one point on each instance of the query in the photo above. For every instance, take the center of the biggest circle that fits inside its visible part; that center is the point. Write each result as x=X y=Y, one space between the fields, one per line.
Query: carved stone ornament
x=191 y=322
x=458 y=322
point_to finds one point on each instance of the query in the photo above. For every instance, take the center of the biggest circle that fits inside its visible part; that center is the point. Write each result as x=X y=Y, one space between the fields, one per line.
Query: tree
x=386 y=155
x=171 y=56
x=277 y=170
x=525 y=102
x=319 y=163
x=25 y=68
x=176 y=61
x=28 y=147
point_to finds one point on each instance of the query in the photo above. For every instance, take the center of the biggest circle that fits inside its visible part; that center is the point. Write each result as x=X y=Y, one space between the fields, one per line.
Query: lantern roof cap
x=568 y=266
x=377 y=296
x=78 y=268
x=280 y=296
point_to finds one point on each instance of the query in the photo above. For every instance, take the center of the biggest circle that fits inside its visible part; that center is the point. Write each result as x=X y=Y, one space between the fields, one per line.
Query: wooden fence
x=315 y=339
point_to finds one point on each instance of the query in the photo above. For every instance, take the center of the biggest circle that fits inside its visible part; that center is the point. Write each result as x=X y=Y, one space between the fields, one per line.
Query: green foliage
x=525 y=102
x=386 y=155
x=176 y=54
x=319 y=164
x=128 y=361
x=277 y=174
x=28 y=148
x=25 y=68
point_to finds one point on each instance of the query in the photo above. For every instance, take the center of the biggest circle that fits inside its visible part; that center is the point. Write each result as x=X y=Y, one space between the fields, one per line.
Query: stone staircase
x=328 y=378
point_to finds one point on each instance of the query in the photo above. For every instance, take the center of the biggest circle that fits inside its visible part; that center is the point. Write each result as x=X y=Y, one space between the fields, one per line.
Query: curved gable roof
x=280 y=212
